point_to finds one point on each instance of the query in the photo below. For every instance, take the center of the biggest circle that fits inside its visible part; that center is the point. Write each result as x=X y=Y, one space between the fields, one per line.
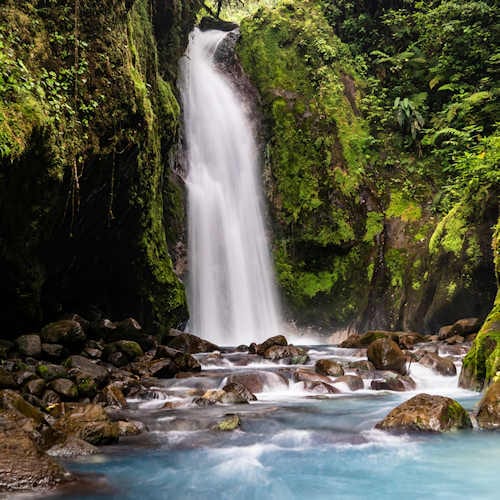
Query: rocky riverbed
x=76 y=389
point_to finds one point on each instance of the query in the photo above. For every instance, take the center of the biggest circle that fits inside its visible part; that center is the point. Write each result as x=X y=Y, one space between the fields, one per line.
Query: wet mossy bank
x=89 y=120
x=365 y=232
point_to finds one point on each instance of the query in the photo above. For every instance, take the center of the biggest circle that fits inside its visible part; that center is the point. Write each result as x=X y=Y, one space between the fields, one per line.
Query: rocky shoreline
x=64 y=390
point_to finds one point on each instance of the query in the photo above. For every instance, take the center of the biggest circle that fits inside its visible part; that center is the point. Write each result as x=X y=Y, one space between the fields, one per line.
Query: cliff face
x=88 y=122
x=360 y=238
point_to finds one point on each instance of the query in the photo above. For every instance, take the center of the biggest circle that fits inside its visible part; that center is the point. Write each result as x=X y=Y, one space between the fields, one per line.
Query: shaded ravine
x=231 y=291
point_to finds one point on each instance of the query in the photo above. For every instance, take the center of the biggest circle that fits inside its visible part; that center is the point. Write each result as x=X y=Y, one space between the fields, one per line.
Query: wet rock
x=65 y=388
x=7 y=379
x=50 y=397
x=112 y=395
x=443 y=366
x=85 y=421
x=390 y=381
x=127 y=428
x=210 y=23
x=361 y=366
x=488 y=416
x=92 y=353
x=385 y=354
x=304 y=375
x=101 y=329
x=320 y=387
x=257 y=381
x=351 y=342
x=163 y=368
x=23 y=465
x=229 y=423
x=53 y=352
x=461 y=327
x=426 y=413
x=329 y=367
x=354 y=382
x=72 y=447
x=189 y=343
x=23 y=376
x=35 y=387
x=236 y=393
x=49 y=371
x=66 y=332
x=456 y=339
x=277 y=340
x=84 y=369
x=29 y=345
x=122 y=352
x=12 y=401
x=130 y=329
x=287 y=353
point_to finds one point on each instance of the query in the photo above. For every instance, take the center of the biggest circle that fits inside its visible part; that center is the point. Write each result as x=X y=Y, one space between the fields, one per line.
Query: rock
x=101 y=329
x=385 y=354
x=277 y=340
x=163 y=368
x=305 y=375
x=443 y=366
x=117 y=359
x=7 y=379
x=29 y=345
x=127 y=428
x=50 y=371
x=257 y=381
x=288 y=353
x=426 y=413
x=64 y=387
x=129 y=349
x=92 y=353
x=130 y=329
x=23 y=465
x=72 y=447
x=236 y=393
x=189 y=343
x=83 y=368
x=69 y=333
x=461 y=327
x=23 y=376
x=85 y=421
x=5 y=347
x=210 y=23
x=354 y=382
x=35 y=387
x=329 y=367
x=488 y=415
x=14 y=402
x=112 y=395
x=456 y=339
x=390 y=381
x=362 y=366
x=53 y=352
x=50 y=397
x=229 y=423
x=320 y=387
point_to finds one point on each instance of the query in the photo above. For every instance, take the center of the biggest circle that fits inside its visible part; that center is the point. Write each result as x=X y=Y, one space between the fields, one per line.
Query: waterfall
x=231 y=292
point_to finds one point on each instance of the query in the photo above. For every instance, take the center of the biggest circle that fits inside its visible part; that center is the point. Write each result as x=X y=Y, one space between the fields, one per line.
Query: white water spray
x=231 y=290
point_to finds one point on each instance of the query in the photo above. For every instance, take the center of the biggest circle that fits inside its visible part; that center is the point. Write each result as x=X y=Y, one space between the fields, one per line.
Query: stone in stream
x=488 y=415
x=229 y=423
x=390 y=381
x=236 y=393
x=461 y=327
x=320 y=387
x=426 y=413
x=329 y=367
x=288 y=353
x=306 y=376
x=353 y=382
x=257 y=381
x=189 y=343
x=23 y=465
x=443 y=366
x=277 y=340
x=385 y=354
x=362 y=366
x=29 y=345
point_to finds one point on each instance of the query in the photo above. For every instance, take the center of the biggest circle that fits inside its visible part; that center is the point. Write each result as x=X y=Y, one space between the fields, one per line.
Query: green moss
x=396 y=262
x=409 y=211
x=374 y=225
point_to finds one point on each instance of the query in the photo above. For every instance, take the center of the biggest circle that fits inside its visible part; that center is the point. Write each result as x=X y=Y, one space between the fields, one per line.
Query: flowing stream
x=231 y=291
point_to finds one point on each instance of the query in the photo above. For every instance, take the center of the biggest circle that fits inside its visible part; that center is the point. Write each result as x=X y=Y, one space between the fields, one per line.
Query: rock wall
x=357 y=240
x=88 y=122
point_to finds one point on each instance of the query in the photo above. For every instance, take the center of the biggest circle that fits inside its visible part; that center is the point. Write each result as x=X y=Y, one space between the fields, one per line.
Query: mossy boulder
x=189 y=343
x=488 y=415
x=49 y=371
x=426 y=413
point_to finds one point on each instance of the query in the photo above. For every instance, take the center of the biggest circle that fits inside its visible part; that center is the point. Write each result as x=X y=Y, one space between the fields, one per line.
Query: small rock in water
x=329 y=367
x=443 y=366
x=426 y=413
x=236 y=393
x=277 y=340
x=354 y=382
x=229 y=423
x=390 y=381
x=385 y=354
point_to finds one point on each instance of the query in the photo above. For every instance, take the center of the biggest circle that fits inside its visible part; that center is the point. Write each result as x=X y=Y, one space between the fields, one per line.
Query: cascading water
x=231 y=290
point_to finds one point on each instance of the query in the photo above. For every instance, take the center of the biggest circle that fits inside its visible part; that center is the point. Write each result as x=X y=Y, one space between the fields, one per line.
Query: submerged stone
x=229 y=423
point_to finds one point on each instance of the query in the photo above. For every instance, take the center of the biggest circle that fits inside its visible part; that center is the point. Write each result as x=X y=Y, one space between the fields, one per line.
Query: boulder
x=84 y=369
x=257 y=381
x=426 y=413
x=320 y=387
x=65 y=388
x=163 y=368
x=443 y=366
x=130 y=329
x=278 y=340
x=351 y=342
x=130 y=428
x=211 y=23
x=112 y=395
x=122 y=352
x=353 y=382
x=488 y=415
x=361 y=366
x=29 y=345
x=85 y=421
x=67 y=332
x=288 y=353
x=305 y=375
x=49 y=371
x=385 y=354
x=390 y=381
x=7 y=379
x=236 y=393
x=35 y=387
x=53 y=352
x=329 y=367
x=23 y=465
x=461 y=327
x=189 y=343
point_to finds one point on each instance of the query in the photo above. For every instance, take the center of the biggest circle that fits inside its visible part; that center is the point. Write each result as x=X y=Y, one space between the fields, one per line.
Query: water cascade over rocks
x=231 y=292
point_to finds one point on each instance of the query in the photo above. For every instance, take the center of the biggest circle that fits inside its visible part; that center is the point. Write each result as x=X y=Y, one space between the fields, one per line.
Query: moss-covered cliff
x=362 y=236
x=88 y=119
